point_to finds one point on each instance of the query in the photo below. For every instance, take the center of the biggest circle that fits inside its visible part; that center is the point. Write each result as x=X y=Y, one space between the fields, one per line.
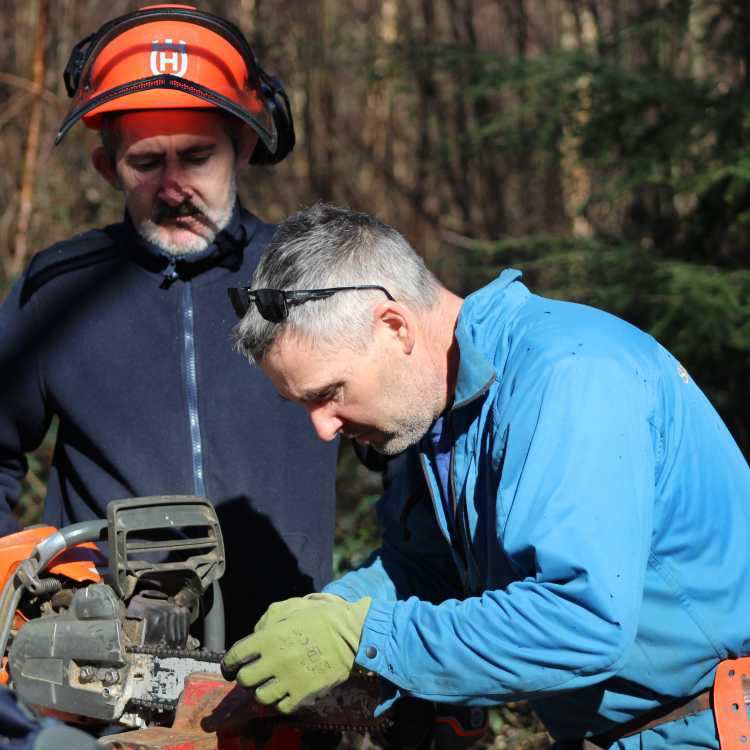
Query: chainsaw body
x=97 y=639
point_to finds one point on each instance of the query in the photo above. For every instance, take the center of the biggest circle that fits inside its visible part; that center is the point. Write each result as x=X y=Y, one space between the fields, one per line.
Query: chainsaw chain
x=159 y=707
x=166 y=653
x=163 y=652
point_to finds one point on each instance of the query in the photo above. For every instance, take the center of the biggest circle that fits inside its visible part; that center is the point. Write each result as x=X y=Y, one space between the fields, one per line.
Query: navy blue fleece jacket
x=134 y=354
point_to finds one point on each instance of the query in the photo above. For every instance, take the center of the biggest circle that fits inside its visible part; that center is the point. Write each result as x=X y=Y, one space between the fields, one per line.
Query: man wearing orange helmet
x=124 y=332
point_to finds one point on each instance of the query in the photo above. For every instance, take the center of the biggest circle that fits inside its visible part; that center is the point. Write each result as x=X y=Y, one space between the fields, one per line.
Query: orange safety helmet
x=177 y=57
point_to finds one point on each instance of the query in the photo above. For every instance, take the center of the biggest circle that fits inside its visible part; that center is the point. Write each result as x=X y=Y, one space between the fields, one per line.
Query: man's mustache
x=186 y=208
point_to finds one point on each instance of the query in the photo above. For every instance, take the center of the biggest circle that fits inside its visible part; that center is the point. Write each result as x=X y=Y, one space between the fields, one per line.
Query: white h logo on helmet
x=168 y=57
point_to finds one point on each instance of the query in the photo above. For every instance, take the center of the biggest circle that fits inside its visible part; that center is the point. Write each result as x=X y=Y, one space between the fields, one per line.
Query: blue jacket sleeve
x=24 y=416
x=573 y=516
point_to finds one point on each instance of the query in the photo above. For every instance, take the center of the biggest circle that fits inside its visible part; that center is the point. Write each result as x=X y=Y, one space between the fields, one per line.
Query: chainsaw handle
x=48 y=549
x=214 y=635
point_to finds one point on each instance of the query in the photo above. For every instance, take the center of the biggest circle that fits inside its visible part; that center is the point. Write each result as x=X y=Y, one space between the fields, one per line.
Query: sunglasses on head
x=273 y=304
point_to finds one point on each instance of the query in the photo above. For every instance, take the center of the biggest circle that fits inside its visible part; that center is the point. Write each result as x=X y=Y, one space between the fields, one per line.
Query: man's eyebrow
x=145 y=155
x=193 y=150
x=318 y=394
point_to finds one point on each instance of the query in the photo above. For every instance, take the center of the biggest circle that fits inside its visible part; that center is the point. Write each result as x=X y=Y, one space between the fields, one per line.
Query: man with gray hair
x=365 y=251
x=570 y=525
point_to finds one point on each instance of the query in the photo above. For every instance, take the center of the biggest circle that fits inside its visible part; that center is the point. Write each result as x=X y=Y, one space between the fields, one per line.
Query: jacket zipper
x=191 y=382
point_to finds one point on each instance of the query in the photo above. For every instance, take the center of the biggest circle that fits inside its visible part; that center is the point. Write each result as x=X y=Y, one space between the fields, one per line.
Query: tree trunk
x=31 y=149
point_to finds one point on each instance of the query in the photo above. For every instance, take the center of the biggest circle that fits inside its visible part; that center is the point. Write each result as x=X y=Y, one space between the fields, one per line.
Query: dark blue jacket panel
x=17 y=726
x=152 y=399
x=21 y=730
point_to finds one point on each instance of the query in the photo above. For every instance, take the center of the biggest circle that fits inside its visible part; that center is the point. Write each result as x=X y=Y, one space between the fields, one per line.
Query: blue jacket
x=134 y=356
x=602 y=514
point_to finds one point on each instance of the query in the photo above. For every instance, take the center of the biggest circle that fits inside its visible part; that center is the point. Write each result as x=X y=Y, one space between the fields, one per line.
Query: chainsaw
x=106 y=639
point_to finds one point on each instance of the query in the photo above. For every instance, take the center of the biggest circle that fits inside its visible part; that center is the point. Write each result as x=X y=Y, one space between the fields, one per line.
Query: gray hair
x=326 y=246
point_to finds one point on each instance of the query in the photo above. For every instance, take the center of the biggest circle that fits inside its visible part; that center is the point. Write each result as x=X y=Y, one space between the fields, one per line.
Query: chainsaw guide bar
x=346 y=708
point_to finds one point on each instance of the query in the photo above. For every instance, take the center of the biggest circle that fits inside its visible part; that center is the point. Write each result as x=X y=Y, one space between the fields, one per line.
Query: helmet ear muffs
x=277 y=102
x=125 y=65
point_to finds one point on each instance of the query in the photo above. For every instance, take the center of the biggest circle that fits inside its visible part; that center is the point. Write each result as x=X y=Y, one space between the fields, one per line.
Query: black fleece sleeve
x=24 y=414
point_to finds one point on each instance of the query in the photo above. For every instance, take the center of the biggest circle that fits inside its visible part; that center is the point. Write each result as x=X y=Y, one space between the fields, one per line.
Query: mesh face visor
x=167 y=58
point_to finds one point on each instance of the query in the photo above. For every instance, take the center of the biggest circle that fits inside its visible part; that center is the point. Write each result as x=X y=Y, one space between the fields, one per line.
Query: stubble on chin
x=421 y=409
x=409 y=433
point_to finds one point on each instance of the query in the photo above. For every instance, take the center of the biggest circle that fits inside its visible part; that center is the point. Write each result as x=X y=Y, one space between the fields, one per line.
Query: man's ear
x=397 y=322
x=103 y=164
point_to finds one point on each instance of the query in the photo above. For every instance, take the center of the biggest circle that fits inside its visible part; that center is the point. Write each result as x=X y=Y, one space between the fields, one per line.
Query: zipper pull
x=170 y=273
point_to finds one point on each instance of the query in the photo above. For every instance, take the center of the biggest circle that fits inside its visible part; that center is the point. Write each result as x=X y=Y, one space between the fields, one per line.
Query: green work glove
x=302 y=656
x=281 y=610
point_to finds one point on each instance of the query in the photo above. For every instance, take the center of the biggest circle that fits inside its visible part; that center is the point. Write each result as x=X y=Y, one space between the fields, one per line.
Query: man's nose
x=325 y=422
x=172 y=189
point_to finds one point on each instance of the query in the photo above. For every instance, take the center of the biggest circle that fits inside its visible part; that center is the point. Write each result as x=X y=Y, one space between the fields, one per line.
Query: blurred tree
x=655 y=114
x=31 y=147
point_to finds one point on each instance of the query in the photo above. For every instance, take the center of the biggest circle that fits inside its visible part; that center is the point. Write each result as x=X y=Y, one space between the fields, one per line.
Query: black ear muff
x=278 y=105
x=76 y=63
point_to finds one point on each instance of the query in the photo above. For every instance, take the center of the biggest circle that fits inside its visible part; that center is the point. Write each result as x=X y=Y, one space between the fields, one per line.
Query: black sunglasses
x=273 y=304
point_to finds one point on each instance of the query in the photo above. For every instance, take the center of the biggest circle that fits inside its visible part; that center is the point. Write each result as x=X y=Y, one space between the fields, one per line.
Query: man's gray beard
x=411 y=427
x=411 y=432
x=151 y=231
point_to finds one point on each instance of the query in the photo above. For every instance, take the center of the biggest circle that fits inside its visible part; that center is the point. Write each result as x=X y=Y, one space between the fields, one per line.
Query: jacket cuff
x=373 y=655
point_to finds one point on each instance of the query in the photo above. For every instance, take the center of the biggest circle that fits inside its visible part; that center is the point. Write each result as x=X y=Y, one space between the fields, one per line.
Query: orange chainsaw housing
x=77 y=564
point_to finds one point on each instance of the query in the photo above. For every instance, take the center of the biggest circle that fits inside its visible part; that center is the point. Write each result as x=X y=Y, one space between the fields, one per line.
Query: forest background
x=600 y=146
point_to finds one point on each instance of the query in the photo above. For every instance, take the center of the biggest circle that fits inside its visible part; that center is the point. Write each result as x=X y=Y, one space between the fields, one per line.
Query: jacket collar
x=479 y=335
